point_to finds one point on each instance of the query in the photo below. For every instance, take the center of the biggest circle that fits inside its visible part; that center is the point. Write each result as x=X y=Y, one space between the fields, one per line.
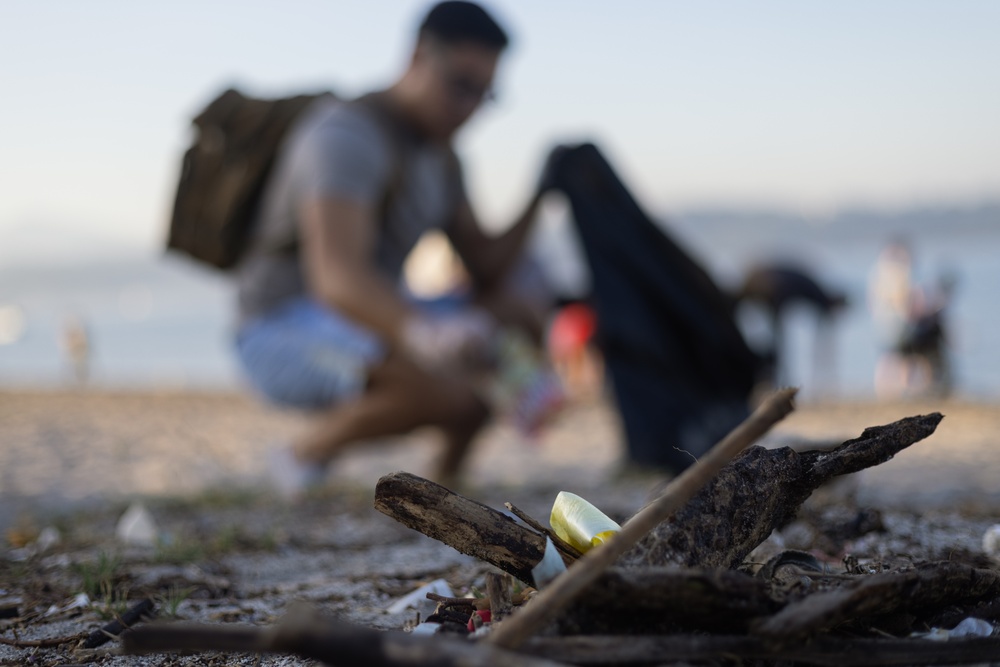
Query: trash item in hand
x=528 y=391
x=579 y=523
x=460 y=339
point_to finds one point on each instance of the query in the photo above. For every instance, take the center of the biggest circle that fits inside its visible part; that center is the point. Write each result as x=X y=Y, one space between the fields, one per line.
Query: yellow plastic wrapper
x=578 y=522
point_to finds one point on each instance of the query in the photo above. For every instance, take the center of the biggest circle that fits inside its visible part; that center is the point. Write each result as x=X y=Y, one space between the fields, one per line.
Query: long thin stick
x=567 y=586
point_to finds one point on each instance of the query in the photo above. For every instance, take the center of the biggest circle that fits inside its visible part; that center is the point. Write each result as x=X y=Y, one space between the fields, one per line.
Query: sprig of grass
x=99 y=576
x=170 y=601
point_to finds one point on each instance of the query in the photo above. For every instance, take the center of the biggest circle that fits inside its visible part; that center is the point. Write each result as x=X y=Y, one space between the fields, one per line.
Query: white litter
x=418 y=598
x=991 y=541
x=550 y=567
x=136 y=526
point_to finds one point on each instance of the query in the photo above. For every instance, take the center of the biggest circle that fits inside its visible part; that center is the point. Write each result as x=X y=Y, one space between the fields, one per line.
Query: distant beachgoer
x=778 y=287
x=76 y=347
x=909 y=319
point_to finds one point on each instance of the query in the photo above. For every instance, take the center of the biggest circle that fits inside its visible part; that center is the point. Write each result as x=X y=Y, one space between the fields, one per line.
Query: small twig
x=571 y=583
x=112 y=630
x=562 y=545
x=450 y=615
x=43 y=643
x=455 y=602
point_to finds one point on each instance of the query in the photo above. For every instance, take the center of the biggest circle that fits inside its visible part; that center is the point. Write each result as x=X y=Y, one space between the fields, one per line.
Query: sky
x=804 y=107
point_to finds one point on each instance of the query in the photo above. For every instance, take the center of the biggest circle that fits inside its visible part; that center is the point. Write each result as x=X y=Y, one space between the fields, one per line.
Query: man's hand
x=460 y=340
x=547 y=180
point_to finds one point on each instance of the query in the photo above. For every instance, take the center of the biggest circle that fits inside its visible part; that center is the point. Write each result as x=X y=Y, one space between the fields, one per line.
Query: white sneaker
x=290 y=477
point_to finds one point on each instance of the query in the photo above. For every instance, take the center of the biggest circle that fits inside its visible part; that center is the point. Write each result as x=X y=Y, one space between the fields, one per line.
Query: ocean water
x=841 y=256
x=165 y=323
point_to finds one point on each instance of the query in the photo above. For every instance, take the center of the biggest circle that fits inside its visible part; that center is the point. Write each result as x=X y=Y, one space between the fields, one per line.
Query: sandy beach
x=64 y=447
x=230 y=552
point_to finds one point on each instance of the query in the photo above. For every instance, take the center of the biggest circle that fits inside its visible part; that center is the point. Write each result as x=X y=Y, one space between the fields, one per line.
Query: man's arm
x=338 y=245
x=489 y=258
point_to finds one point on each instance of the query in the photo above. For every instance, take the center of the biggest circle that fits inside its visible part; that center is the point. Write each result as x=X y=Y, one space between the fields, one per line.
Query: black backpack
x=224 y=171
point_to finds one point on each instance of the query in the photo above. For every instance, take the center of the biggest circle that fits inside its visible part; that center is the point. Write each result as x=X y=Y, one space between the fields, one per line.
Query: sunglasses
x=464 y=89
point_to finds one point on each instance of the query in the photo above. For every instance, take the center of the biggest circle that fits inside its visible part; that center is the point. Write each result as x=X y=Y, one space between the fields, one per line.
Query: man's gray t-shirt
x=343 y=150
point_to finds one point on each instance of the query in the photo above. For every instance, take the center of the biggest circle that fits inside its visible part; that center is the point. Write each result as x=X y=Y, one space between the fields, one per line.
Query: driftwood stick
x=463 y=524
x=933 y=584
x=660 y=600
x=833 y=651
x=43 y=643
x=140 y=610
x=302 y=632
x=762 y=490
x=567 y=550
x=565 y=588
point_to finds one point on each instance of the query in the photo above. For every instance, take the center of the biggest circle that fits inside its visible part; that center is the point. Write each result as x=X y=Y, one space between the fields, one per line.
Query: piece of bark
x=657 y=600
x=498 y=591
x=702 y=598
x=304 y=633
x=833 y=651
x=566 y=588
x=761 y=490
x=929 y=585
x=463 y=524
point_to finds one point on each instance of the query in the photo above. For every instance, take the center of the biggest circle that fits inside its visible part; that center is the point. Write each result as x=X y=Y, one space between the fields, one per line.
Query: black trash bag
x=681 y=372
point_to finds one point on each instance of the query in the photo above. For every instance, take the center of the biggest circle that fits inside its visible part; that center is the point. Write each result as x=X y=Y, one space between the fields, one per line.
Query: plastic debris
x=991 y=541
x=426 y=628
x=578 y=522
x=969 y=627
x=972 y=627
x=479 y=619
x=48 y=538
x=136 y=526
x=418 y=598
x=79 y=601
x=549 y=567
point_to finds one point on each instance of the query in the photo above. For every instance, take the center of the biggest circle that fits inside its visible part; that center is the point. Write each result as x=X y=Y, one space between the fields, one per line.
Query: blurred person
x=328 y=327
x=909 y=319
x=778 y=287
x=76 y=347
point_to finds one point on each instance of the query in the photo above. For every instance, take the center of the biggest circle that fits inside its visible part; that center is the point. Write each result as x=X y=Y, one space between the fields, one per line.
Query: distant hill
x=866 y=222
